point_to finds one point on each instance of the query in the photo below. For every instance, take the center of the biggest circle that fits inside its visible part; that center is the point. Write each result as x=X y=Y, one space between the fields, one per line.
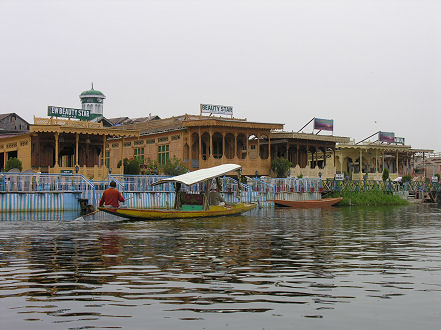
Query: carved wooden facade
x=200 y=142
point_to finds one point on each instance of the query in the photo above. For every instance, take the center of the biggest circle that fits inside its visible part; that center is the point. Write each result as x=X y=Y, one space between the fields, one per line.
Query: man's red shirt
x=111 y=197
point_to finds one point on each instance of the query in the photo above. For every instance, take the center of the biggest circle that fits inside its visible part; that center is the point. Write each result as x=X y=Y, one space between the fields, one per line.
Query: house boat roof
x=55 y=125
x=310 y=137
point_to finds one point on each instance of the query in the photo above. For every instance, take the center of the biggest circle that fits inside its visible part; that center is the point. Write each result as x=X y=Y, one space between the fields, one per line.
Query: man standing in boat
x=111 y=196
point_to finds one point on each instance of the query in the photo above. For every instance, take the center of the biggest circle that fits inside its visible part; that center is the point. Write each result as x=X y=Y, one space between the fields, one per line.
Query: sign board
x=217 y=109
x=339 y=177
x=66 y=171
x=68 y=113
x=323 y=124
x=434 y=179
x=388 y=137
x=399 y=140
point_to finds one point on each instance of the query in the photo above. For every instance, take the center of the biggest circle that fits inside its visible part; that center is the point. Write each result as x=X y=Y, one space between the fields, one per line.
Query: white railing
x=38 y=182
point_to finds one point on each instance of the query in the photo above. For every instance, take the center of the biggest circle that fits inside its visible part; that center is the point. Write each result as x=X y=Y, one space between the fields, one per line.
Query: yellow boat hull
x=160 y=214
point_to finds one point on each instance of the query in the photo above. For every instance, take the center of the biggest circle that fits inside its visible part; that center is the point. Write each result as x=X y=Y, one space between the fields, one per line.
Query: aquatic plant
x=368 y=198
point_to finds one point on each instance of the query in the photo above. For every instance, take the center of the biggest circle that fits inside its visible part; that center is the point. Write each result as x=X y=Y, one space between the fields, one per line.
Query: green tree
x=174 y=167
x=124 y=162
x=385 y=174
x=406 y=178
x=13 y=163
x=280 y=166
x=133 y=166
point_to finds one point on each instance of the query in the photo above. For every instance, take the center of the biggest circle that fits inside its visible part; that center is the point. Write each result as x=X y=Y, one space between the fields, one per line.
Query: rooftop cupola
x=93 y=100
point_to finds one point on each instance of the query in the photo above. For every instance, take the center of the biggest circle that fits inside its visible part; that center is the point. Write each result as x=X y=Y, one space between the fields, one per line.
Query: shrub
x=13 y=163
x=406 y=178
x=174 y=167
x=125 y=162
x=280 y=166
x=151 y=167
x=385 y=174
x=132 y=167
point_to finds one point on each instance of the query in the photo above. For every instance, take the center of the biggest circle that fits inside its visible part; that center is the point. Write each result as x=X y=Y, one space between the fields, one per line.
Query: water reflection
x=39 y=216
x=281 y=265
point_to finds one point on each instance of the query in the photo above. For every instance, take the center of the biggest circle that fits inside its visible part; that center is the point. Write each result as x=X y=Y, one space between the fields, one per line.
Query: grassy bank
x=368 y=198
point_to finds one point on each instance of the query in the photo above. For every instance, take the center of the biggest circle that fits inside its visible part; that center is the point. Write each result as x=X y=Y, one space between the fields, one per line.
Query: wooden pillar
x=121 y=155
x=376 y=161
x=190 y=156
x=37 y=153
x=333 y=150
x=223 y=146
x=297 y=155
x=269 y=146
x=210 y=153
x=235 y=146
x=246 y=138
x=407 y=163
x=77 y=139
x=200 y=148
x=307 y=151
x=104 y=150
x=396 y=162
x=56 y=149
x=383 y=159
x=361 y=160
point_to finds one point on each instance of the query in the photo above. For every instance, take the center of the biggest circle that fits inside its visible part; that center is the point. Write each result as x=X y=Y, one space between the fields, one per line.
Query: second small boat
x=308 y=203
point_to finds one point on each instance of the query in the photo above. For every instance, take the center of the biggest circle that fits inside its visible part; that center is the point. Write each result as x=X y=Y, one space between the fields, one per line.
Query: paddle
x=81 y=218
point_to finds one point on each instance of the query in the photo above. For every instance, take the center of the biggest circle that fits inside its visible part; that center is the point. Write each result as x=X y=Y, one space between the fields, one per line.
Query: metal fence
x=37 y=182
x=140 y=188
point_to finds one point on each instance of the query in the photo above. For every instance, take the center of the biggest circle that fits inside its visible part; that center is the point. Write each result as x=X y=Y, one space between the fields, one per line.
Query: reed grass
x=368 y=198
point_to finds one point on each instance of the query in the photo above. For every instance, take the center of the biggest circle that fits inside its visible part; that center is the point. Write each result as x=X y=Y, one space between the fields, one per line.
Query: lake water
x=335 y=268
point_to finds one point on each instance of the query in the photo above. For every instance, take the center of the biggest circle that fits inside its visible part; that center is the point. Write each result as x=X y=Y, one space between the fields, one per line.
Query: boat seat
x=191 y=199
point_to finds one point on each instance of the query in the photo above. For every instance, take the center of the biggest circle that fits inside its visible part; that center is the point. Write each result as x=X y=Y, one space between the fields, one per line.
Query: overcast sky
x=369 y=65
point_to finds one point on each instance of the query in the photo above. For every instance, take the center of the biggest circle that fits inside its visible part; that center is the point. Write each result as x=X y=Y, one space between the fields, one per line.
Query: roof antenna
x=92 y=84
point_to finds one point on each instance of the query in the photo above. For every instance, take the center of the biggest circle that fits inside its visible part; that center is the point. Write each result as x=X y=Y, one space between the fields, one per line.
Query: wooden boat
x=188 y=205
x=161 y=214
x=308 y=203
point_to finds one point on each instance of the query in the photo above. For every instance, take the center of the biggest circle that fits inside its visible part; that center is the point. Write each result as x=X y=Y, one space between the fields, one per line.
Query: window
x=163 y=154
x=139 y=152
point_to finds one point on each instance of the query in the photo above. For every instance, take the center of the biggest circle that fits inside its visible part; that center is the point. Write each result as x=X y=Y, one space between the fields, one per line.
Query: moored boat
x=208 y=204
x=308 y=203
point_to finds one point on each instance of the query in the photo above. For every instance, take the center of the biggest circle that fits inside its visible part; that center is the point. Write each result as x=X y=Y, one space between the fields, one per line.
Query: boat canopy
x=201 y=175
